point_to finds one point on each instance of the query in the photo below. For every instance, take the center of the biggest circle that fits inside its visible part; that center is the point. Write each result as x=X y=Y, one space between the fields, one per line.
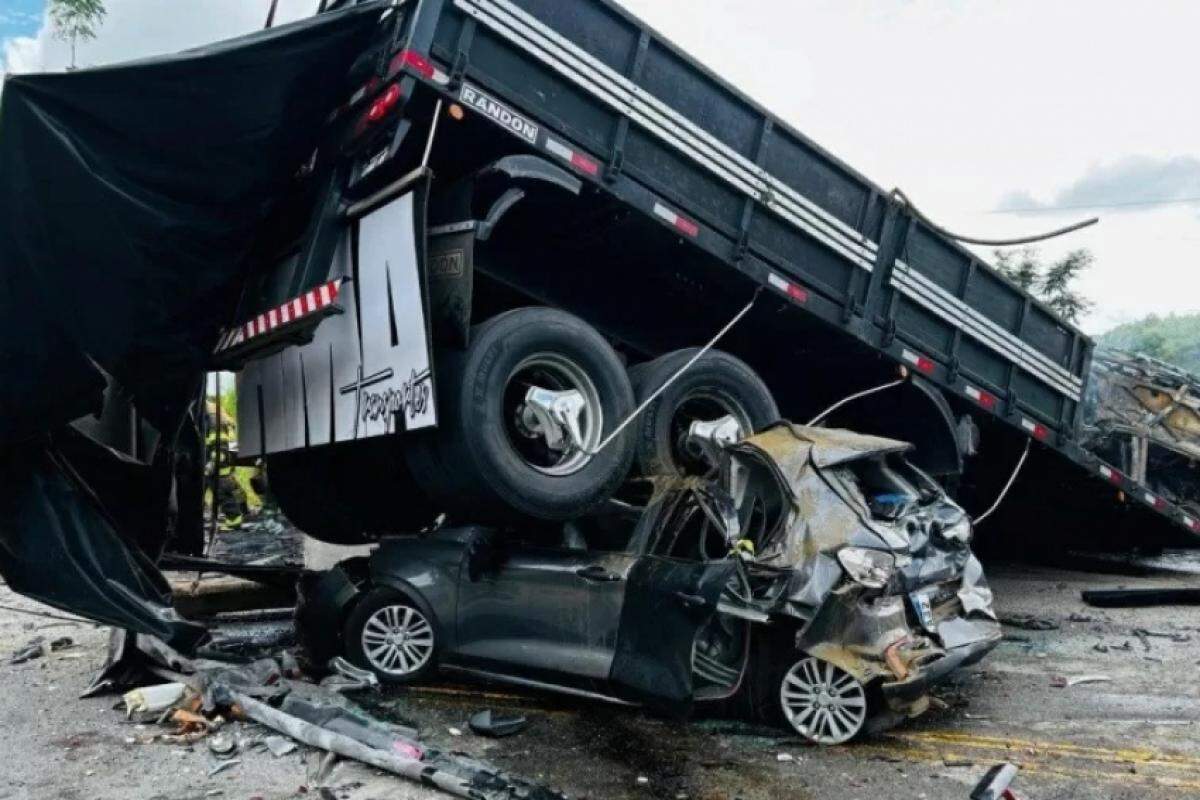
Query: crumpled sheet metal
x=845 y=624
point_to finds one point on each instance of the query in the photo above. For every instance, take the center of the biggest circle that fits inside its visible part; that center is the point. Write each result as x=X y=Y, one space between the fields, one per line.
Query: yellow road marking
x=1052 y=759
x=1102 y=754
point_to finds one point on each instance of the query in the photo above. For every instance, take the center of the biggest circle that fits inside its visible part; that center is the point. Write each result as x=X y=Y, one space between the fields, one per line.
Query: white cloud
x=957 y=102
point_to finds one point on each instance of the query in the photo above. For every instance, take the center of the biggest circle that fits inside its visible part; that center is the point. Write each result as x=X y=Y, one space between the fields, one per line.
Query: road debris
x=153 y=699
x=38 y=647
x=1141 y=598
x=1028 y=622
x=1063 y=682
x=994 y=785
x=280 y=746
x=221 y=766
x=222 y=745
x=489 y=723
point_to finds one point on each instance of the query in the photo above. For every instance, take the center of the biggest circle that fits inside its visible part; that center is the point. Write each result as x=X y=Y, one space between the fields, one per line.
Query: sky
x=999 y=119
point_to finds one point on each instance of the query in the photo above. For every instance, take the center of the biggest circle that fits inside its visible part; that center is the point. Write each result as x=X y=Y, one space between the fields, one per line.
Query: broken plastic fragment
x=487 y=723
x=153 y=699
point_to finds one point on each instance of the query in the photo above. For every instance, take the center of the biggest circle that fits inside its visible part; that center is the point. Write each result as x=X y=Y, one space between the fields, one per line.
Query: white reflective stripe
x=945 y=305
x=325 y=298
x=273 y=319
x=297 y=308
x=440 y=77
x=1029 y=425
x=1151 y=499
x=285 y=313
x=662 y=212
x=974 y=394
x=310 y=302
x=778 y=282
x=1191 y=523
x=559 y=149
x=649 y=112
x=1106 y=472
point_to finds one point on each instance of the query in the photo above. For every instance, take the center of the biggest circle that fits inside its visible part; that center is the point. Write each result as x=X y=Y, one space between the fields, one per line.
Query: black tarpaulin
x=131 y=198
x=131 y=201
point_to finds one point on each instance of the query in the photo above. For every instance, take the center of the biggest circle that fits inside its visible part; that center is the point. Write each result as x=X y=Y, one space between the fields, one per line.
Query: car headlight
x=870 y=568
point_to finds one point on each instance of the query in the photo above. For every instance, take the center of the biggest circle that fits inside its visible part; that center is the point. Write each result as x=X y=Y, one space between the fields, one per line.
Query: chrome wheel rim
x=556 y=374
x=397 y=640
x=702 y=406
x=823 y=703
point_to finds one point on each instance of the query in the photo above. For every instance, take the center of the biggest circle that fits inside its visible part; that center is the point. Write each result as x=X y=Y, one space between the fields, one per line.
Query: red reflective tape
x=919 y=361
x=1036 y=429
x=984 y=399
x=687 y=226
x=585 y=164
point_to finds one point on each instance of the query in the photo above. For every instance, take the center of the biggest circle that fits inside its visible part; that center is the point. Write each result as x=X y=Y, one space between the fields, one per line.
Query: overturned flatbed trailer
x=345 y=208
x=689 y=197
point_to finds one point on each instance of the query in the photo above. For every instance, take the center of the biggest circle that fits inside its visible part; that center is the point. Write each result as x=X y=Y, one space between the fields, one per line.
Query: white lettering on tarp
x=499 y=113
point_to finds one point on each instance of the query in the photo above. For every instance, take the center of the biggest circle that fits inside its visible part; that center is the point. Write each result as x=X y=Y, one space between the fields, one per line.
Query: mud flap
x=61 y=547
x=667 y=604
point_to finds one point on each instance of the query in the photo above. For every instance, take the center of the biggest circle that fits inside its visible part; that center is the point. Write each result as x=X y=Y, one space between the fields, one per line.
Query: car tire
x=485 y=460
x=717 y=385
x=394 y=635
x=348 y=494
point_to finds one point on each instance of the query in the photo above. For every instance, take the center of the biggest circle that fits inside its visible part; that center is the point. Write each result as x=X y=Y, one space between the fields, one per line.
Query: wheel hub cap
x=397 y=640
x=822 y=702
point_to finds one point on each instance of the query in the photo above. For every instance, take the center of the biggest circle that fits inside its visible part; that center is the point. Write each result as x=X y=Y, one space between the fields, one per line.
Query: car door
x=547 y=611
x=672 y=646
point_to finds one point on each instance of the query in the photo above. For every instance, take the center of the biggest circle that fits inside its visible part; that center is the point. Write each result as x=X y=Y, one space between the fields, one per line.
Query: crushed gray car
x=816 y=578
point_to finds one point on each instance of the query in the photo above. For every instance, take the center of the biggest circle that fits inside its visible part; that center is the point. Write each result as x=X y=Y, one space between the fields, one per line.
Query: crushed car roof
x=825 y=447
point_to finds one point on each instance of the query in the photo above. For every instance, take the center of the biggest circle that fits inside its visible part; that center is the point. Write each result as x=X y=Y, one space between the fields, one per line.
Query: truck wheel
x=498 y=448
x=343 y=495
x=718 y=385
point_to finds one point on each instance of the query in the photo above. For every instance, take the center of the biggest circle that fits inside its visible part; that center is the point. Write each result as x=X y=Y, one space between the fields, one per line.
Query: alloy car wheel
x=822 y=702
x=397 y=641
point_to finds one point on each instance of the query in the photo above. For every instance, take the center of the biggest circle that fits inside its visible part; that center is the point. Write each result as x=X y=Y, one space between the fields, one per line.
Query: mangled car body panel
x=827 y=536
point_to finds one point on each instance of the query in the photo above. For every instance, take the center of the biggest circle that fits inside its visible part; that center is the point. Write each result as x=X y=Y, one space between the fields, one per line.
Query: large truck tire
x=350 y=494
x=490 y=455
x=716 y=386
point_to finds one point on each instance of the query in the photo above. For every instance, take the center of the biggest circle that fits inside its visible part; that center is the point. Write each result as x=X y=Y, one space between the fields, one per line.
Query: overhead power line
x=1091 y=206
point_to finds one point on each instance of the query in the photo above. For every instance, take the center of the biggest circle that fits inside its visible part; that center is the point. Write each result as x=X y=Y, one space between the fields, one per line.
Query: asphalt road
x=1136 y=735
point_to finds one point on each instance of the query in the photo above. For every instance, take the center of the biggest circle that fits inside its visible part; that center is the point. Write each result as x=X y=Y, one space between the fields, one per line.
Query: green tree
x=76 y=21
x=1020 y=268
x=1053 y=283
x=1057 y=285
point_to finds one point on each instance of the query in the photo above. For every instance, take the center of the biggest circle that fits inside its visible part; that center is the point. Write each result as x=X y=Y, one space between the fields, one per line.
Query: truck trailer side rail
x=593 y=88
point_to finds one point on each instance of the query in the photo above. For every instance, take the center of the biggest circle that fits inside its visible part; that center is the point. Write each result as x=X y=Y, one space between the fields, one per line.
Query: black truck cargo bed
x=588 y=85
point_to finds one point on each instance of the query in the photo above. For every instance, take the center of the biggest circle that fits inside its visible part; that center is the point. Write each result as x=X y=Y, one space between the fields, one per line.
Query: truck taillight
x=410 y=58
x=384 y=103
